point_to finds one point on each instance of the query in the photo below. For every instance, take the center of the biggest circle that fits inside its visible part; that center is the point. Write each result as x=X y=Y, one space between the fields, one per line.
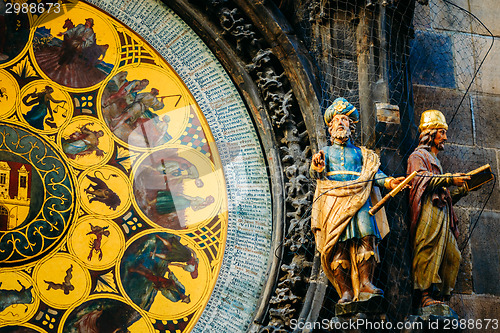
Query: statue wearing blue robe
x=344 y=163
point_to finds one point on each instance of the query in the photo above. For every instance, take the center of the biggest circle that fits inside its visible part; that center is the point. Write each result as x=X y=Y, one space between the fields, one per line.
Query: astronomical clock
x=134 y=192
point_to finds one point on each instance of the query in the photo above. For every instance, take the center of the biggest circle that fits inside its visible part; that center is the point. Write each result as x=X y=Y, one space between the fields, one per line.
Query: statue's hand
x=318 y=161
x=459 y=179
x=394 y=182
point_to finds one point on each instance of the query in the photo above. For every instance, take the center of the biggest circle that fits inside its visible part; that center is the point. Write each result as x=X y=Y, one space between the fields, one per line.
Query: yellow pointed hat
x=432 y=119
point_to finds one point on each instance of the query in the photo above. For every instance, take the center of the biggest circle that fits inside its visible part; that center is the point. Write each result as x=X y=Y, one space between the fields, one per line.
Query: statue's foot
x=428 y=301
x=347 y=296
x=369 y=288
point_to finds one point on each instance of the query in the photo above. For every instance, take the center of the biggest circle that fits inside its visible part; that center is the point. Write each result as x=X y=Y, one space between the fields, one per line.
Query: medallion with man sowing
x=76 y=50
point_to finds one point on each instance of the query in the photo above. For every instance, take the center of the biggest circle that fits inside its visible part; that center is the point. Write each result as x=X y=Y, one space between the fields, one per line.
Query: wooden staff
x=395 y=191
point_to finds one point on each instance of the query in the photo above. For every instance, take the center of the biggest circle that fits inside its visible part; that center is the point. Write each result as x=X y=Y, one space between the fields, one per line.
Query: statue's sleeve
x=157 y=105
x=427 y=177
x=417 y=162
x=458 y=193
x=440 y=181
x=379 y=179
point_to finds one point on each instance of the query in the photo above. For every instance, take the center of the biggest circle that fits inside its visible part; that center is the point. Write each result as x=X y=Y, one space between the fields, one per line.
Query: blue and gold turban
x=341 y=106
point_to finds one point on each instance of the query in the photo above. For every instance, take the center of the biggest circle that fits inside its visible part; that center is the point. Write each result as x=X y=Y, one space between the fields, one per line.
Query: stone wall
x=445 y=51
x=473 y=140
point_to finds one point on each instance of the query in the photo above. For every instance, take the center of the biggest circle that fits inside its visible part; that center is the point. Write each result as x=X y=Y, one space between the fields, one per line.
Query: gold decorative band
x=332 y=173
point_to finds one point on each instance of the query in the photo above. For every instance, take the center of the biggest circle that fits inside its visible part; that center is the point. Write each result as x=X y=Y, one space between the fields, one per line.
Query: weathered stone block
x=446 y=101
x=388 y=125
x=485 y=247
x=422 y=16
x=478 y=308
x=468 y=39
x=464 y=278
x=344 y=35
x=441 y=310
x=488 y=73
x=457 y=158
x=448 y=17
x=391 y=162
x=487 y=121
x=430 y=67
x=345 y=79
x=467 y=54
x=488 y=12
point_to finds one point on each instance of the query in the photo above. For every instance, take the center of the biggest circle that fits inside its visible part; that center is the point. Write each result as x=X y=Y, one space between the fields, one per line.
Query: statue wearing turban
x=346 y=234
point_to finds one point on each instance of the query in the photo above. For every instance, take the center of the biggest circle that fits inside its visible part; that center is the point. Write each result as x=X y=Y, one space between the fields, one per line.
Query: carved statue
x=433 y=228
x=346 y=234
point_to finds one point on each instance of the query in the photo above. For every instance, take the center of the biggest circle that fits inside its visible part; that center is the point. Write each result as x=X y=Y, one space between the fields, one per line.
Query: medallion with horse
x=77 y=49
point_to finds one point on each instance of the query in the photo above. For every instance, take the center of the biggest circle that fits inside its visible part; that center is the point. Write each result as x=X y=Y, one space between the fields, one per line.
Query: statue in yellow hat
x=433 y=227
x=346 y=234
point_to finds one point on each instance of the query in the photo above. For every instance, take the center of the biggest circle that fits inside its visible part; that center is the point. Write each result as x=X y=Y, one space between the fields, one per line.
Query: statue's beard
x=440 y=146
x=340 y=133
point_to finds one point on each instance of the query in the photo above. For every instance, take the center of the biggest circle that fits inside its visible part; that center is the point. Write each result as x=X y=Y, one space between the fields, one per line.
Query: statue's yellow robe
x=334 y=205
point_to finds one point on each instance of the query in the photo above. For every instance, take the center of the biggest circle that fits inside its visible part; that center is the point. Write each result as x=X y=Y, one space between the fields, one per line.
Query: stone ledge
x=477 y=307
x=374 y=304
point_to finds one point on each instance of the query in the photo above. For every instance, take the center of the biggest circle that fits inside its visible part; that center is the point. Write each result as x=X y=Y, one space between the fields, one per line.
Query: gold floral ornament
x=47 y=182
x=340 y=105
x=87 y=101
x=343 y=107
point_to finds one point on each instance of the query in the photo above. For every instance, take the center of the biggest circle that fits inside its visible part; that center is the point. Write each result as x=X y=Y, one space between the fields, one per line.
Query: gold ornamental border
x=35 y=238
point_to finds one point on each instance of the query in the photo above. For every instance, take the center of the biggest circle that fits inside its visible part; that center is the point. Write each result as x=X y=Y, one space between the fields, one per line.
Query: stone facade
x=473 y=141
x=441 y=45
x=392 y=59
